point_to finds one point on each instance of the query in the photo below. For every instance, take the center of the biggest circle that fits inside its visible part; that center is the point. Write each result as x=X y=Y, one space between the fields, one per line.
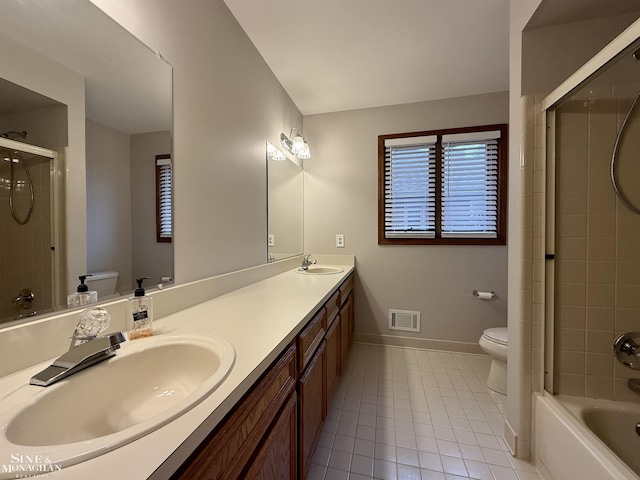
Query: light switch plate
x=340 y=240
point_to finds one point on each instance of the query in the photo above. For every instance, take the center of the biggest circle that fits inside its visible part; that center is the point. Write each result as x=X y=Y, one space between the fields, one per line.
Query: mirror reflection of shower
x=28 y=208
x=16 y=160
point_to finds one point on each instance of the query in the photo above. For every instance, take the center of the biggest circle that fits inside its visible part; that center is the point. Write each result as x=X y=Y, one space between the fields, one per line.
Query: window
x=443 y=187
x=164 y=227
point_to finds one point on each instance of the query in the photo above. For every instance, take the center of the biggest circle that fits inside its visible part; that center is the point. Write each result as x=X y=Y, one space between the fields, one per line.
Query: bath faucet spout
x=78 y=358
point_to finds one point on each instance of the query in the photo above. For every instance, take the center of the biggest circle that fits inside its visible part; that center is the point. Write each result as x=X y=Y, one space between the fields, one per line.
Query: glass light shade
x=298 y=145
x=305 y=154
x=274 y=153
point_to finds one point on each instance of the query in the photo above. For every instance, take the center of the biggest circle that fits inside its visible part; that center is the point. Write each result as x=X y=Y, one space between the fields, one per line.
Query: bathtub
x=575 y=438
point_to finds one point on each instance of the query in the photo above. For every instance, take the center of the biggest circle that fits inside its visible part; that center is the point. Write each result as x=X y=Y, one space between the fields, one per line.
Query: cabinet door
x=277 y=458
x=333 y=356
x=346 y=328
x=227 y=450
x=311 y=408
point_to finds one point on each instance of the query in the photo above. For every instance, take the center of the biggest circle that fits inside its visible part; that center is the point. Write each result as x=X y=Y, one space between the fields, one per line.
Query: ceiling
x=334 y=55
x=558 y=12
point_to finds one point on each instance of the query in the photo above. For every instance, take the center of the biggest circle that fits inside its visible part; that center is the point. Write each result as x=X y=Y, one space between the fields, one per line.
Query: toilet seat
x=496 y=335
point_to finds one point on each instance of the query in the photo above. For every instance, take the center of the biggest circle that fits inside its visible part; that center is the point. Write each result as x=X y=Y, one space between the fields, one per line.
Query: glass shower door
x=27 y=230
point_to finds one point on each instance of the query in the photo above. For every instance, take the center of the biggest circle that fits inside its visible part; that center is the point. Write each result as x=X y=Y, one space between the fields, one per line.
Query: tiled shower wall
x=597 y=256
x=533 y=205
x=28 y=265
x=531 y=263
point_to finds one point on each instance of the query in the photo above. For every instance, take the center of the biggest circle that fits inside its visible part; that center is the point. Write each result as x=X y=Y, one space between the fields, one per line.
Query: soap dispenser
x=82 y=296
x=140 y=313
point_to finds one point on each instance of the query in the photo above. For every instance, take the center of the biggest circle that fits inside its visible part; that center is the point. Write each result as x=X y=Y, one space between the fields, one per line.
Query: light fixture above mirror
x=295 y=144
x=274 y=154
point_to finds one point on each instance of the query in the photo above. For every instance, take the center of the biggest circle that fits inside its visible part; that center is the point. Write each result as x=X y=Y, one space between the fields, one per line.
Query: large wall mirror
x=85 y=110
x=284 y=204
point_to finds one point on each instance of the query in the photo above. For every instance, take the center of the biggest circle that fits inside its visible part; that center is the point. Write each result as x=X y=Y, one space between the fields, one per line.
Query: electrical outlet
x=340 y=240
x=272 y=240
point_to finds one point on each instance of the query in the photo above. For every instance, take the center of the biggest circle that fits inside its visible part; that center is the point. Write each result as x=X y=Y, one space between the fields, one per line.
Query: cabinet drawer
x=345 y=289
x=310 y=338
x=226 y=451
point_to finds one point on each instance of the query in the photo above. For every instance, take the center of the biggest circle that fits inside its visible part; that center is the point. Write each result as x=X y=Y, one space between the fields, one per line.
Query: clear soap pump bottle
x=140 y=313
x=82 y=296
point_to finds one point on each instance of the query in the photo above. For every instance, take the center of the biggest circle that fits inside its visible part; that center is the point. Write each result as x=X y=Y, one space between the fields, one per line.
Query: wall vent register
x=406 y=320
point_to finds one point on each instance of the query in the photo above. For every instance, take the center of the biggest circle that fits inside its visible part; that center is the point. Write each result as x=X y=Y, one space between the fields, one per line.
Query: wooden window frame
x=500 y=239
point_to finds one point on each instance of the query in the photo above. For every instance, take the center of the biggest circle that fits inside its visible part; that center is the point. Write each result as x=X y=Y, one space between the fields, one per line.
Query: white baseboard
x=424 y=343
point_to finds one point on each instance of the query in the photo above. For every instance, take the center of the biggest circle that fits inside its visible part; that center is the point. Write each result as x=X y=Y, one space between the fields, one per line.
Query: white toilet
x=494 y=343
x=104 y=283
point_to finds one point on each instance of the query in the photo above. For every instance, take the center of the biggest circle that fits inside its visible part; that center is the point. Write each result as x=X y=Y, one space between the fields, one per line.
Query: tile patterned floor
x=406 y=414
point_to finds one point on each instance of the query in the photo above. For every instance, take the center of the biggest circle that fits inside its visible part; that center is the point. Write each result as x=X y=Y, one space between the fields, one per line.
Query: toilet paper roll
x=484 y=295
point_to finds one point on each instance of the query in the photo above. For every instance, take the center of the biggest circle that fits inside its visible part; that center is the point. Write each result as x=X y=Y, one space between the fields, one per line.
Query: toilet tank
x=102 y=282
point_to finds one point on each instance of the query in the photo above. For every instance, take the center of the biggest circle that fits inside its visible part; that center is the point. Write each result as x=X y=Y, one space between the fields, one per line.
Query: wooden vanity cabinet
x=272 y=433
x=334 y=354
x=246 y=438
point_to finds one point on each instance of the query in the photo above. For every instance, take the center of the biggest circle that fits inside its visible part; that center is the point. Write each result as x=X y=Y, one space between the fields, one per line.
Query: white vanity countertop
x=259 y=321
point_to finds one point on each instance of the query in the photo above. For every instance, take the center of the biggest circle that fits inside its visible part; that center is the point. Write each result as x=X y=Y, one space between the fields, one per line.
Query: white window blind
x=469 y=185
x=164 y=174
x=409 y=187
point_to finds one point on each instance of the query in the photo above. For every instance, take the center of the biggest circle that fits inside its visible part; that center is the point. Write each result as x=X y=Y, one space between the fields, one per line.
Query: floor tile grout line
x=393 y=366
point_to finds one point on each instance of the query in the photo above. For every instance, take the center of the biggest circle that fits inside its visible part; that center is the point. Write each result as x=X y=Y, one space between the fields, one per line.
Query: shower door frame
x=549 y=104
x=54 y=208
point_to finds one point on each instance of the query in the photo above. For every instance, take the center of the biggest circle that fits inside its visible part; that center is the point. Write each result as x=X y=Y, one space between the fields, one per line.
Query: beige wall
x=108 y=203
x=121 y=209
x=151 y=258
x=341 y=195
x=227 y=103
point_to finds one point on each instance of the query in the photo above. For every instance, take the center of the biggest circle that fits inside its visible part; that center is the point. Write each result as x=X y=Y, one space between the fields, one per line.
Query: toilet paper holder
x=484 y=295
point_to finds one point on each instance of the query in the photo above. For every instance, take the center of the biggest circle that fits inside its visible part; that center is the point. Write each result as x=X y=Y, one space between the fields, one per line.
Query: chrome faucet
x=306 y=261
x=626 y=349
x=78 y=358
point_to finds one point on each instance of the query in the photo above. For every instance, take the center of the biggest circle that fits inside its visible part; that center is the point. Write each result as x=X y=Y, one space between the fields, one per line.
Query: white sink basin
x=149 y=383
x=320 y=270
